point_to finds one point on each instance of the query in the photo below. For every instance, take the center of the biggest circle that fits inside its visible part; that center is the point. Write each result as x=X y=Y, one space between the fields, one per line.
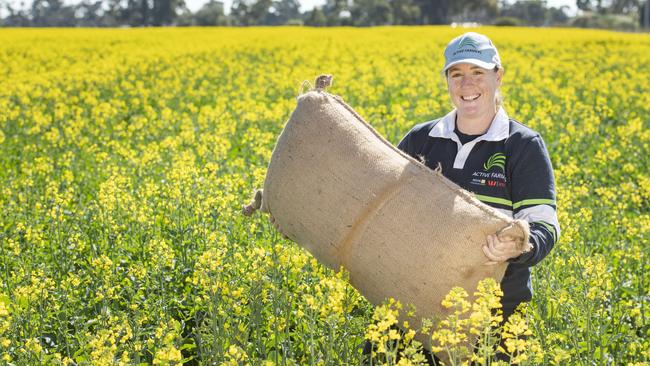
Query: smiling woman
x=503 y=162
x=473 y=91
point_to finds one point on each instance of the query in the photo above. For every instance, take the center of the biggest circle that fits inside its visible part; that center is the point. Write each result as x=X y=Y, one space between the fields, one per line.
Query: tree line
x=142 y=13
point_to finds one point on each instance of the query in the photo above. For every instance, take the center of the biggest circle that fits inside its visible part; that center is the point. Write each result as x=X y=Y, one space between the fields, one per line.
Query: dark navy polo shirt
x=507 y=168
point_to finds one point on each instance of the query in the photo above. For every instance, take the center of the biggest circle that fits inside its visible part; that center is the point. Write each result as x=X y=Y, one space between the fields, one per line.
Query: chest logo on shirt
x=495 y=178
x=496 y=160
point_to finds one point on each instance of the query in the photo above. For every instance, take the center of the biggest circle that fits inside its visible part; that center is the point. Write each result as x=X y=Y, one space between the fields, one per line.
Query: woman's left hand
x=500 y=249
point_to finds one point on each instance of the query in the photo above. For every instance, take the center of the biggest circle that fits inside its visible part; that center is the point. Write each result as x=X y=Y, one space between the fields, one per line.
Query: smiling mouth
x=469 y=98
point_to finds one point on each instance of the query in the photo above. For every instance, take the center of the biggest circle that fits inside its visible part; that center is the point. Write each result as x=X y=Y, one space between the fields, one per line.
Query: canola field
x=126 y=155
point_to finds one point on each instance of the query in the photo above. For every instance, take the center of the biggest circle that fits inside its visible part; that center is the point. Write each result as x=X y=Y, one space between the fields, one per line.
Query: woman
x=504 y=163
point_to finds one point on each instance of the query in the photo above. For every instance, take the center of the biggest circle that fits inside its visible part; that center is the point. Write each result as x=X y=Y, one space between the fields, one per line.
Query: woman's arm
x=534 y=199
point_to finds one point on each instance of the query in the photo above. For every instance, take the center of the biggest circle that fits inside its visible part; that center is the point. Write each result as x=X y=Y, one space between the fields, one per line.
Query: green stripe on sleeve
x=550 y=228
x=501 y=201
x=534 y=201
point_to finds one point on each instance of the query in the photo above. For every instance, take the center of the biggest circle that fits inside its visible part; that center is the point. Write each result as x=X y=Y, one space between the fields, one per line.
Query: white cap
x=473 y=48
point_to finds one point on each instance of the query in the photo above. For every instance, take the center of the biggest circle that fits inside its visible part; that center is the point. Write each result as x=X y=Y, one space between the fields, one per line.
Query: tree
x=260 y=12
x=89 y=13
x=610 y=7
x=557 y=16
x=286 y=10
x=239 y=12
x=111 y=13
x=210 y=14
x=371 y=13
x=316 y=18
x=163 y=12
x=474 y=10
x=531 y=12
x=52 y=13
x=405 y=12
x=16 y=17
x=625 y=6
x=644 y=16
x=337 y=13
x=590 y=5
x=137 y=13
x=434 y=11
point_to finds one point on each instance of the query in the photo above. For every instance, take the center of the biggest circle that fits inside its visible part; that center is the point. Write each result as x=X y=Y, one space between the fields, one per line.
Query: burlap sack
x=348 y=196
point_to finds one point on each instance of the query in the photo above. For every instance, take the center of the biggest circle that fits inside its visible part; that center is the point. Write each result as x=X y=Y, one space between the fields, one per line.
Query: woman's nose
x=466 y=80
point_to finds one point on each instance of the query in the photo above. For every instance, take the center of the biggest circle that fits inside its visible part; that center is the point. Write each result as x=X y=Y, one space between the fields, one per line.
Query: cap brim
x=473 y=61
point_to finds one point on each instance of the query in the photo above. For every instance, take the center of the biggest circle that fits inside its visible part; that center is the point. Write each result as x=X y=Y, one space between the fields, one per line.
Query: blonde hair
x=498 y=98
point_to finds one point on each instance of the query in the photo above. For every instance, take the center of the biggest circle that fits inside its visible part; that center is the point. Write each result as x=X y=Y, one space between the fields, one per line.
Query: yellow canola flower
x=127 y=154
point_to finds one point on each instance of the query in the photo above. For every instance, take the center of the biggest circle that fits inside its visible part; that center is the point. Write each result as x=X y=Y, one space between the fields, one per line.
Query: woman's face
x=473 y=89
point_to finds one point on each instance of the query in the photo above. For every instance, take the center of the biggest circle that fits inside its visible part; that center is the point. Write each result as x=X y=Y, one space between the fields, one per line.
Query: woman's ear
x=499 y=75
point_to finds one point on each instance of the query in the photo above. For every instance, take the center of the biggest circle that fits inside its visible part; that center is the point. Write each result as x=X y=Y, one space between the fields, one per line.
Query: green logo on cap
x=497 y=160
x=467 y=41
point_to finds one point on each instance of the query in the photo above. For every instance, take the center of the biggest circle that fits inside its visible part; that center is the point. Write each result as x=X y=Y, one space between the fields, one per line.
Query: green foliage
x=135 y=13
x=316 y=18
x=507 y=22
x=607 y=21
x=210 y=14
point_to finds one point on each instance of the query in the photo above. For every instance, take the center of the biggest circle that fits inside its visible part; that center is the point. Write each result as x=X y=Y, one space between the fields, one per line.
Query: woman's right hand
x=277 y=227
x=499 y=250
